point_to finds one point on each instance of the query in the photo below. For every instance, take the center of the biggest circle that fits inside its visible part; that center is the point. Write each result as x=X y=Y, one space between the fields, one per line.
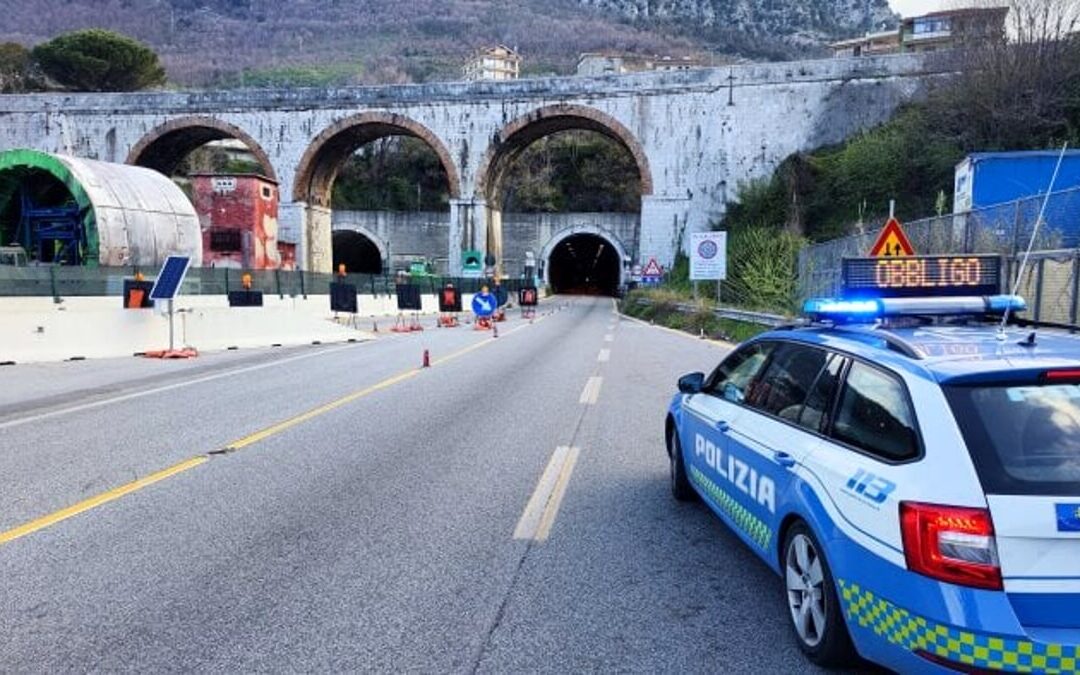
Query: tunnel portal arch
x=609 y=269
x=360 y=249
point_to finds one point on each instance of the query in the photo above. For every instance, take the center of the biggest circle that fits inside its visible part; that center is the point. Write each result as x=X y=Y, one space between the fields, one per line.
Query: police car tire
x=835 y=648
x=680 y=484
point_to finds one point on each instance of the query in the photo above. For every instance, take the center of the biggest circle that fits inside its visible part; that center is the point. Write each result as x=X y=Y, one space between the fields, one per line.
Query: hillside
x=257 y=42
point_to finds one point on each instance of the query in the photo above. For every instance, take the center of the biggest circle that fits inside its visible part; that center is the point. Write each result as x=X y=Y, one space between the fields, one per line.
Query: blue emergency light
x=870 y=310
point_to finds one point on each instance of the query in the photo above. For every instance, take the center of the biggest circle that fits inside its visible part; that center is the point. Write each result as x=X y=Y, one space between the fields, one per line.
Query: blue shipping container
x=1004 y=188
x=989 y=178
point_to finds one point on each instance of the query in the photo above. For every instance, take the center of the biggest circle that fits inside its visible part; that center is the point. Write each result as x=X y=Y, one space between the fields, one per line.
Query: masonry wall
x=404 y=235
x=702 y=131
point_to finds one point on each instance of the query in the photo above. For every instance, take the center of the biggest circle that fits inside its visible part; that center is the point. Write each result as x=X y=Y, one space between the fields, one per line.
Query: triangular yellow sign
x=892 y=242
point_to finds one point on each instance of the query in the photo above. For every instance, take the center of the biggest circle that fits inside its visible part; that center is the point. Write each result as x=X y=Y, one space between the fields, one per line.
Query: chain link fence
x=1049 y=284
x=59 y=281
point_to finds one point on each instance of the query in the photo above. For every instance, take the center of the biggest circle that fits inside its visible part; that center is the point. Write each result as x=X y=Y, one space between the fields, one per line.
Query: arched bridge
x=694 y=136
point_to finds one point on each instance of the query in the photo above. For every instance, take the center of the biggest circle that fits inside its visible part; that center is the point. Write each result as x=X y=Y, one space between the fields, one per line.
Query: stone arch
x=519 y=134
x=324 y=156
x=588 y=229
x=165 y=146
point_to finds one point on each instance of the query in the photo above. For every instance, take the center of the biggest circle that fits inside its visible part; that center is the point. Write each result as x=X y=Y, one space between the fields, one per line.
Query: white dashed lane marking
x=591 y=394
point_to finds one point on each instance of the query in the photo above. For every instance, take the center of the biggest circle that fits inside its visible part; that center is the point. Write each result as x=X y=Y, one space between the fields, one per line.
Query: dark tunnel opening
x=584 y=264
x=359 y=254
x=39 y=214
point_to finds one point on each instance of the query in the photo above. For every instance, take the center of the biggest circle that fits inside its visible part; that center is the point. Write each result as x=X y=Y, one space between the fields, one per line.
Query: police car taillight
x=1060 y=376
x=951 y=543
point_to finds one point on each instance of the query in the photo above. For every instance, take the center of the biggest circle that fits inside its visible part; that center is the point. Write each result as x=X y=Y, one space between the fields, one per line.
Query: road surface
x=339 y=508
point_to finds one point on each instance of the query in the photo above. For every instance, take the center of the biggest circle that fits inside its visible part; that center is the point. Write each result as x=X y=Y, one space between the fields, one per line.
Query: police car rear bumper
x=911 y=623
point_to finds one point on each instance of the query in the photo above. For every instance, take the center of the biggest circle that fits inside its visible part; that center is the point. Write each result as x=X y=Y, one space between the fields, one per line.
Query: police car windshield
x=1023 y=439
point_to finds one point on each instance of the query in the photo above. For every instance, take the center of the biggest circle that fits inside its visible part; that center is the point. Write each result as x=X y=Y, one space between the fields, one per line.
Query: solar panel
x=171 y=276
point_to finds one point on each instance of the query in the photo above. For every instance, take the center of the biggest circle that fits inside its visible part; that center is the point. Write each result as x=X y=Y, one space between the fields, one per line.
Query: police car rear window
x=1023 y=439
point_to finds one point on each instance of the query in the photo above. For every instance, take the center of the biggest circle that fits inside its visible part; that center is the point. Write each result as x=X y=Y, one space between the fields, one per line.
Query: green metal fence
x=59 y=282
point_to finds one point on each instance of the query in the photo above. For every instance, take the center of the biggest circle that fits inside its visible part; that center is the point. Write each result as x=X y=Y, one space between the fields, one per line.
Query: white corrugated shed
x=140 y=214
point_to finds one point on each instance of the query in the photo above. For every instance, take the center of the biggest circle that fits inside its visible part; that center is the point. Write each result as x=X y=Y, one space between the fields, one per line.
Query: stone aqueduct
x=694 y=135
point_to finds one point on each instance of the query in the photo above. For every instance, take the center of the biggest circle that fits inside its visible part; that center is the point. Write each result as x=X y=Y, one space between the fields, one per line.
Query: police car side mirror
x=692 y=383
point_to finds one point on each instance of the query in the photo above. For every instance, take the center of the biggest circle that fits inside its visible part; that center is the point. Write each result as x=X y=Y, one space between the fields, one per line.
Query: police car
x=909 y=466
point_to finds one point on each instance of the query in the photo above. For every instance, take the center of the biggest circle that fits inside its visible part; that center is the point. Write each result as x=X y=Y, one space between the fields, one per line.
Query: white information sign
x=708 y=256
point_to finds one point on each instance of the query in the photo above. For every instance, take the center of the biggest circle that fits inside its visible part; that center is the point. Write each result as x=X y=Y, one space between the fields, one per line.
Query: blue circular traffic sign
x=708 y=249
x=484 y=304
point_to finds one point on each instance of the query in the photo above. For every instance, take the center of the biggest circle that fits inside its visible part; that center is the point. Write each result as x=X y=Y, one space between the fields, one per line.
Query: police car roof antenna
x=1031 y=242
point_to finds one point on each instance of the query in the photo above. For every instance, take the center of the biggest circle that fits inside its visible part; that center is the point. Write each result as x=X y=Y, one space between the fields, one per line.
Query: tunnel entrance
x=584 y=264
x=359 y=254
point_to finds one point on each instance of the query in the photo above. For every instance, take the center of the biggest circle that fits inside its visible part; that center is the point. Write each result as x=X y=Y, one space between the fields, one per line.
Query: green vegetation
x=1023 y=94
x=99 y=60
x=573 y=171
x=397 y=173
x=661 y=306
x=310 y=75
x=15 y=68
x=762 y=264
x=823 y=194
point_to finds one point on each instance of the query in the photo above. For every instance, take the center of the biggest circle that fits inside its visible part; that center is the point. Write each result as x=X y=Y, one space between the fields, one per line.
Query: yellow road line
x=103 y=498
x=552 y=508
x=316 y=412
x=529 y=523
x=332 y=405
x=116 y=493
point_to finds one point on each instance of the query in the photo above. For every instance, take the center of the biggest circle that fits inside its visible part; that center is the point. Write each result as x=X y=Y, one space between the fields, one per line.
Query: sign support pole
x=172 y=342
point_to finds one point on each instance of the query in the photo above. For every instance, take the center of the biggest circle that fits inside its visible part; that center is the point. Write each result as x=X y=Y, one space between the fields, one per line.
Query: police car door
x=771 y=439
x=872 y=435
x=708 y=416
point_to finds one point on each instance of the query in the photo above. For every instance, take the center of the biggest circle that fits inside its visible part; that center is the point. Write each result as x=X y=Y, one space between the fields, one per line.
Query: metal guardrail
x=733 y=313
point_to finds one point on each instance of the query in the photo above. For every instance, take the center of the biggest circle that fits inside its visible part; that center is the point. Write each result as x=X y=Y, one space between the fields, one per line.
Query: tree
x=99 y=60
x=15 y=65
x=1018 y=91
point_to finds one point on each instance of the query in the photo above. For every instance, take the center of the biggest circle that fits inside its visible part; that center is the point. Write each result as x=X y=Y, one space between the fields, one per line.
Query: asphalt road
x=339 y=508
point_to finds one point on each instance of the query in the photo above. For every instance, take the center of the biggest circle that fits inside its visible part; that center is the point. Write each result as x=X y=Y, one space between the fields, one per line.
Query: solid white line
x=529 y=523
x=591 y=393
x=605 y=356
x=169 y=387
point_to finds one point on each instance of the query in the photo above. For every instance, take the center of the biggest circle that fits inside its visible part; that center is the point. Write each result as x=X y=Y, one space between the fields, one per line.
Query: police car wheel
x=811 y=594
x=680 y=484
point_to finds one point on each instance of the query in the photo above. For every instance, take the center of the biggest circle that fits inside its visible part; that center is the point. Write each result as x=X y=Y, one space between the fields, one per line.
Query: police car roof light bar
x=867 y=311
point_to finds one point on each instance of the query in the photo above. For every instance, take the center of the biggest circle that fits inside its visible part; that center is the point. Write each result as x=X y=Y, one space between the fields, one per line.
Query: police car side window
x=815 y=412
x=734 y=376
x=782 y=388
x=874 y=414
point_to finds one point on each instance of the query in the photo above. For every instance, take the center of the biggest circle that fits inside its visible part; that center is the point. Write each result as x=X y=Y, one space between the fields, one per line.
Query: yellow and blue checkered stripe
x=902 y=628
x=751 y=525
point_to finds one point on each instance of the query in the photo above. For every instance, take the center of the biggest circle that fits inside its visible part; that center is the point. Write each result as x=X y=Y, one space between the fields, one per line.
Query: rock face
x=802 y=20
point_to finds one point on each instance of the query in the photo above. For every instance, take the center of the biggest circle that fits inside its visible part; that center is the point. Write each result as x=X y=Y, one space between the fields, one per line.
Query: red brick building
x=238 y=214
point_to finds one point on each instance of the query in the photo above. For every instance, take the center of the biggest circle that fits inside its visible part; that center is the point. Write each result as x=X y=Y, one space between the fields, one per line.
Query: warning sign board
x=652 y=269
x=892 y=242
